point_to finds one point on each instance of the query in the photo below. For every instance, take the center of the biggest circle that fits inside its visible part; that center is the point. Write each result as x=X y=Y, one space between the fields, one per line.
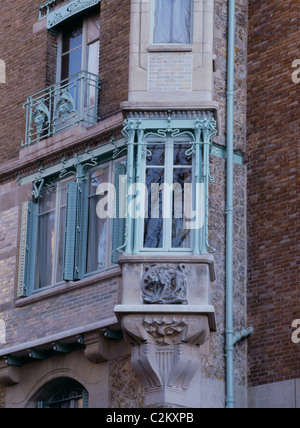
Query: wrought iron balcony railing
x=66 y=104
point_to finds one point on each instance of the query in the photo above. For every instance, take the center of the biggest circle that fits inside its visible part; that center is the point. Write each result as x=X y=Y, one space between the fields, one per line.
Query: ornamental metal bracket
x=67 y=11
x=37 y=188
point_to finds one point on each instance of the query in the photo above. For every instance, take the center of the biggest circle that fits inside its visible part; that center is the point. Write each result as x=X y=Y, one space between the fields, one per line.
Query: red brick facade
x=273 y=190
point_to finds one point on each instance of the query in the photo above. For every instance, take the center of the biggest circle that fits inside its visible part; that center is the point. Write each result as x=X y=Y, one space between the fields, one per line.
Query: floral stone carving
x=164 y=285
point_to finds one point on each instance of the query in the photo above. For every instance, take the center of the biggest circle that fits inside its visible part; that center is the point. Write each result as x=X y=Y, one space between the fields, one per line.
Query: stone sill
x=207 y=259
x=69 y=286
x=208 y=310
x=170 y=48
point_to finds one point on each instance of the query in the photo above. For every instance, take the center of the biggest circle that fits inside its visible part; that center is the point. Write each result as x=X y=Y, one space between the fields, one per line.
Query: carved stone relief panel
x=165 y=285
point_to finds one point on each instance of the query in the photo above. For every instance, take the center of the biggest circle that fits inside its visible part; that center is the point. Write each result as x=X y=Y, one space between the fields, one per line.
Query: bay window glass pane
x=155 y=155
x=182 y=155
x=181 y=237
x=97 y=228
x=153 y=225
x=172 y=21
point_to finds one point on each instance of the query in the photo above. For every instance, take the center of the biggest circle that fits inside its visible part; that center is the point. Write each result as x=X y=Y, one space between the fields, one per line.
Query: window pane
x=46 y=243
x=162 y=21
x=181 y=19
x=172 y=21
x=97 y=228
x=72 y=37
x=181 y=237
x=71 y=63
x=47 y=202
x=156 y=155
x=180 y=154
x=153 y=225
x=93 y=28
x=97 y=236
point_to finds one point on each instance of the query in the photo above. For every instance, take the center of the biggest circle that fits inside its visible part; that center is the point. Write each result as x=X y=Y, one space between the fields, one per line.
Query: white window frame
x=169 y=144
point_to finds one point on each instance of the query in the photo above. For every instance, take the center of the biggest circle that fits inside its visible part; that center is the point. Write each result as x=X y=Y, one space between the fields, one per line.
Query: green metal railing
x=68 y=103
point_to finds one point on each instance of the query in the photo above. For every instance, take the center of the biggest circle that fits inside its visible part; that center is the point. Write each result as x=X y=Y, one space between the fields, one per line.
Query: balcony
x=66 y=104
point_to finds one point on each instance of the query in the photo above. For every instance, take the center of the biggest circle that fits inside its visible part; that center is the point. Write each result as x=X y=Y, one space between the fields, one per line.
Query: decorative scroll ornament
x=165 y=285
x=37 y=188
x=71 y=9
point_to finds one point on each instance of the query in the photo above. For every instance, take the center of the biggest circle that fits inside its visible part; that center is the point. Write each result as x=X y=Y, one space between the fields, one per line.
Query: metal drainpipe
x=229 y=332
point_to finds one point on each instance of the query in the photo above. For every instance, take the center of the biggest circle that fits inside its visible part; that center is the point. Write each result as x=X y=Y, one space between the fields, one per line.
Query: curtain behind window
x=172 y=21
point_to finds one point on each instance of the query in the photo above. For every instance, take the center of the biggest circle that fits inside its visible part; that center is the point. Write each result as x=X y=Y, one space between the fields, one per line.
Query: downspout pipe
x=232 y=338
x=229 y=331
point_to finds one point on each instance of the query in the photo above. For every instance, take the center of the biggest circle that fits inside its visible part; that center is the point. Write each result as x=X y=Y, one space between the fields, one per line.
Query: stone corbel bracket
x=9 y=375
x=165 y=343
x=97 y=348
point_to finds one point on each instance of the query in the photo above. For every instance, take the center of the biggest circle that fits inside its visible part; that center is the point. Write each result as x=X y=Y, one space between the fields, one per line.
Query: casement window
x=63 y=238
x=173 y=21
x=78 y=49
x=168 y=167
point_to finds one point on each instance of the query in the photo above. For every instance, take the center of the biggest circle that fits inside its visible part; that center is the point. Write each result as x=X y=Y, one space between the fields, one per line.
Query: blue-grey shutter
x=27 y=249
x=119 y=223
x=70 y=232
x=81 y=230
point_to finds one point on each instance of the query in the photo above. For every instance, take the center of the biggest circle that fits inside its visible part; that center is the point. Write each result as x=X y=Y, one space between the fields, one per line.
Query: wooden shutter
x=70 y=232
x=119 y=223
x=27 y=249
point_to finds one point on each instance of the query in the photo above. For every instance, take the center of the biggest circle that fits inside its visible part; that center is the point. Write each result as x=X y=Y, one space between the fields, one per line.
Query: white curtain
x=172 y=22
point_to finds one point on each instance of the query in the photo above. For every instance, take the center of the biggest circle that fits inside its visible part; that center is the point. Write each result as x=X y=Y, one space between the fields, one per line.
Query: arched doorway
x=62 y=393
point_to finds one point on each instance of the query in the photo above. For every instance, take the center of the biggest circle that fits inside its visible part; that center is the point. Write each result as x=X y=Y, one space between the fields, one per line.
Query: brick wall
x=170 y=72
x=114 y=55
x=30 y=59
x=25 y=56
x=273 y=186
